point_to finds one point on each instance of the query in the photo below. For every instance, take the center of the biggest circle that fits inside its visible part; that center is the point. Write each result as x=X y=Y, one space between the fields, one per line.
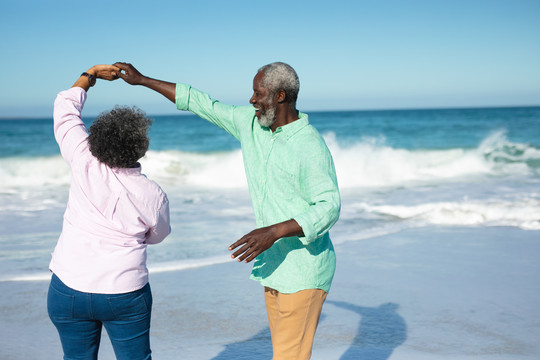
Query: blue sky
x=348 y=54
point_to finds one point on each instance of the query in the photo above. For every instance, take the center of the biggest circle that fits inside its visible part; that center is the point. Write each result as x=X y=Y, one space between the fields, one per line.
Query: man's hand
x=254 y=243
x=129 y=74
x=259 y=240
x=133 y=77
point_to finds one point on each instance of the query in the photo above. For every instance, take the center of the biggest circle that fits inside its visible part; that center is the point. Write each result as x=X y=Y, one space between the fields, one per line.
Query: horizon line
x=184 y=113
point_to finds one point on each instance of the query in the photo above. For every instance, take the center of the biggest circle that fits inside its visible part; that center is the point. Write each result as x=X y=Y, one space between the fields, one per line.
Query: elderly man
x=294 y=192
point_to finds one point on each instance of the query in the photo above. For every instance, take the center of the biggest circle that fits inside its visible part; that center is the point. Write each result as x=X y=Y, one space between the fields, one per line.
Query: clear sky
x=349 y=54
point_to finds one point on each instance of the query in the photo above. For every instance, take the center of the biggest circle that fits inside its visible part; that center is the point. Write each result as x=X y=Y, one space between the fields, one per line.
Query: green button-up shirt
x=291 y=175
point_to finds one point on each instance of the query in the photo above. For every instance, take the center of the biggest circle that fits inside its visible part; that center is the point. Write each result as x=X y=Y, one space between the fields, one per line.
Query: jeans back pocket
x=130 y=306
x=59 y=305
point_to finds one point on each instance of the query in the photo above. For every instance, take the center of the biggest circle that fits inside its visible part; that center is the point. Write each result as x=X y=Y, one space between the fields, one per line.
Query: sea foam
x=367 y=163
x=371 y=163
x=521 y=213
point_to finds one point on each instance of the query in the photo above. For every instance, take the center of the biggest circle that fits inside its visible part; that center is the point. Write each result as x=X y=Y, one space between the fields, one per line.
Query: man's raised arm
x=133 y=77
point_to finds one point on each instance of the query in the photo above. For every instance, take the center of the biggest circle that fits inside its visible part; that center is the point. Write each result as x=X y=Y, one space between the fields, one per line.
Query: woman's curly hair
x=118 y=138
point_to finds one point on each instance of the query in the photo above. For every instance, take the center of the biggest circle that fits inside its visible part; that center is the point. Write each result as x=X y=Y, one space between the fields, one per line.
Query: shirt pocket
x=282 y=183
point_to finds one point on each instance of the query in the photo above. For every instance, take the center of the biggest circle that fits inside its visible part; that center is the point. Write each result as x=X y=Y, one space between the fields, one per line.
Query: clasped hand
x=118 y=70
x=105 y=72
x=129 y=73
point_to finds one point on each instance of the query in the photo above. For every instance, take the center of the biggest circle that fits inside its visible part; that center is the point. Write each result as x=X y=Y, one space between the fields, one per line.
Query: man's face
x=263 y=102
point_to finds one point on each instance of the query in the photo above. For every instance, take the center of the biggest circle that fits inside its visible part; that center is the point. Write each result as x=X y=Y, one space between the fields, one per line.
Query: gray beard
x=268 y=118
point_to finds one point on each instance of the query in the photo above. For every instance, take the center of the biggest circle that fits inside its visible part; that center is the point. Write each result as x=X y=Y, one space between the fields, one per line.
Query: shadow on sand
x=380 y=331
x=258 y=347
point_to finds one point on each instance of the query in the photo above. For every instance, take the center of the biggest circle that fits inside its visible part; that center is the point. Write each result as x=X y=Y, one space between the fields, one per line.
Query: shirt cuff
x=75 y=95
x=309 y=231
x=182 y=96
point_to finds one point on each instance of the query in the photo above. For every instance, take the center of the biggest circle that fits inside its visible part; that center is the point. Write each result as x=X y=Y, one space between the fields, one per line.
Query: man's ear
x=281 y=96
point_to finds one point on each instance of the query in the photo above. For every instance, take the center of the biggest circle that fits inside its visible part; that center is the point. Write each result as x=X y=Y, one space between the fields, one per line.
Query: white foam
x=188 y=264
x=152 y=268
x=524 y=213
x=16 y=173
x=42 y=276
x=371 y=163
x=366 y=164
x=220 y=169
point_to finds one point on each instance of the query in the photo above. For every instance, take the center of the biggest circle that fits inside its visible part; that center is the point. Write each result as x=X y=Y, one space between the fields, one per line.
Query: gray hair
x=118 y=138
x=281 y=76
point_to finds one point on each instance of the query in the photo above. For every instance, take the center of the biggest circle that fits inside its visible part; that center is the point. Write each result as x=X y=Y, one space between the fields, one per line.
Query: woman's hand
x=105 y=72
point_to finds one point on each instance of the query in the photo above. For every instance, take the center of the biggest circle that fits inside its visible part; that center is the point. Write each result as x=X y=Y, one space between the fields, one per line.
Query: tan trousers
x=293 y=320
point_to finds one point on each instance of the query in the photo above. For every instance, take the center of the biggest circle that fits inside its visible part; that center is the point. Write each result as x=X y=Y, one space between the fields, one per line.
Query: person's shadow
x=380 y=331
x=258 y=347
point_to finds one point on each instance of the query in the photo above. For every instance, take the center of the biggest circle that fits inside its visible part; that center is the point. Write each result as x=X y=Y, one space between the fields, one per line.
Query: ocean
x=437 y=245
x=397 y=170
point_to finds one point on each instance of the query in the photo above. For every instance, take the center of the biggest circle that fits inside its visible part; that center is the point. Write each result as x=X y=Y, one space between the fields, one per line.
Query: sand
x=429 y=293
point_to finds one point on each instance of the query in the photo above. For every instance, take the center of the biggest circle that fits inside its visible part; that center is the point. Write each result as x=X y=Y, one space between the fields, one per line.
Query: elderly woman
x=113 y=212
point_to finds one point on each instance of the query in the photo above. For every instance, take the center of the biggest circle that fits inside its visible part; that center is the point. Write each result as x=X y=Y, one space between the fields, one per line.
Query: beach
x=437 y=242
x=430 y=110
x=430 y=293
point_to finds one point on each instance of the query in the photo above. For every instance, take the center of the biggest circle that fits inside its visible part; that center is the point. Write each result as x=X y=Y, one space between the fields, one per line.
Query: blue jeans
x=79 y=316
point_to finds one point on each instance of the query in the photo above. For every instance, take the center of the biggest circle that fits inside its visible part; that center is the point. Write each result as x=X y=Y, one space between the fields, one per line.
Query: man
x=294 y=192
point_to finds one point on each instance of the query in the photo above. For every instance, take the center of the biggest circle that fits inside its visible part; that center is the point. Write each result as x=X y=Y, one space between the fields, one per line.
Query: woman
x=113 y=212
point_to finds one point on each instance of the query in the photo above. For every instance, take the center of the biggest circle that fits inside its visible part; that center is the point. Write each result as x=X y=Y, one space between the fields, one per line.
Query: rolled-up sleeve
x=69 y=130
x=162 y=228
x=319 y=187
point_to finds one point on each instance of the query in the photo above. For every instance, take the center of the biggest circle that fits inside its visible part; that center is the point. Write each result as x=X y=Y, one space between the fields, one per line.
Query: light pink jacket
x=111 y=215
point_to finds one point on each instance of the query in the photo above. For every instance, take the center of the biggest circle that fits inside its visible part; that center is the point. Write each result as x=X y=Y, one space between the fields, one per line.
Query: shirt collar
x=292 y=128
x=129 y=171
